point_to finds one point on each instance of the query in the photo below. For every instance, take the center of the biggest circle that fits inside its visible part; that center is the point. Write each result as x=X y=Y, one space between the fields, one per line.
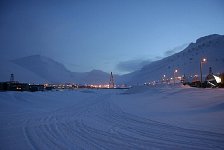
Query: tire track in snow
x=47 y=130
x=70 y=128
x=149 y=129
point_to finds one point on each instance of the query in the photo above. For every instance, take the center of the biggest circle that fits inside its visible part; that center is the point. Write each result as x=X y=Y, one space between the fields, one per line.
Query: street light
x=175 y=71
x=163 y=78
x=201 y=62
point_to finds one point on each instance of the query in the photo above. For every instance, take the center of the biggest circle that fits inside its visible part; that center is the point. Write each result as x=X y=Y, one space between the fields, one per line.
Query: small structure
x=12 y=78
x=195 y=82
x=111 y=83
x=3 y=86
x=213 y=81
x=222 y=80
x=36 y=87
x=14 y=86
x=184 y=80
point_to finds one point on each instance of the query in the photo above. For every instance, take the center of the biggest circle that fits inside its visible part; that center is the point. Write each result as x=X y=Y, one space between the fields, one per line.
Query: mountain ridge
x=47 y=70
x=187 y=61
x=42 y=69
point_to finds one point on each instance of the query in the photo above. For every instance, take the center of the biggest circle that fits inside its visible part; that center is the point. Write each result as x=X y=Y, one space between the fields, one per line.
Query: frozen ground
x=138 y=118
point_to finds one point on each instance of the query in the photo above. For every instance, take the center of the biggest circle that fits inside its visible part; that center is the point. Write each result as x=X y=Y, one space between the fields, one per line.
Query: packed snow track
x=90 y=119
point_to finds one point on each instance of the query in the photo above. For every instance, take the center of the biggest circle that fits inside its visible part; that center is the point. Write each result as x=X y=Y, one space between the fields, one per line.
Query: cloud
x=136 y=64
x=169 y=52
x=132 y=65
x=175 y=50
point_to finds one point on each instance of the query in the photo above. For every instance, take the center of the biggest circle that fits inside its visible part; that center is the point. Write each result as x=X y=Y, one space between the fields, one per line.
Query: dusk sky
x=109 y=35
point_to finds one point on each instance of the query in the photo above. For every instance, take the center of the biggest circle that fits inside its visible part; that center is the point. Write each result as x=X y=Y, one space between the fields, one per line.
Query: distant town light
x=203 y=60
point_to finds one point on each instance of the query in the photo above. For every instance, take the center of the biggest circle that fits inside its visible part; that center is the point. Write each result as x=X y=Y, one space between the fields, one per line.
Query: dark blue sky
x=110 y=35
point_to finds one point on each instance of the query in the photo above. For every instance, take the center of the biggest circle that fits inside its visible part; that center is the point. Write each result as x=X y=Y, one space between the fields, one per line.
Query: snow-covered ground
x=138 y=118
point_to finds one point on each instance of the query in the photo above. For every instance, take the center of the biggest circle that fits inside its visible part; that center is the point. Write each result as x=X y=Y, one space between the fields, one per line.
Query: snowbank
x=139 y=118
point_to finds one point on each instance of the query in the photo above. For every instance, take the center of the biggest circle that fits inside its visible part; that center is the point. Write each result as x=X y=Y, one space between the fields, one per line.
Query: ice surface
x=138 y=118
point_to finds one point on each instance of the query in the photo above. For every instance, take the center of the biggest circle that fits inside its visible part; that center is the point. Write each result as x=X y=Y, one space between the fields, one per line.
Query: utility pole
x=201 y=62
x=174 y=80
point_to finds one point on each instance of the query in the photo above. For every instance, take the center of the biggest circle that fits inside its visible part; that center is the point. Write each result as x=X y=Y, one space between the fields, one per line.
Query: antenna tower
x=12 y=78
x=111 y=83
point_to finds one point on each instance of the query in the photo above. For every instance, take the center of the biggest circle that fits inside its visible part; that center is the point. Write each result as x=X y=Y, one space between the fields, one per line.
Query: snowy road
x=90 y=120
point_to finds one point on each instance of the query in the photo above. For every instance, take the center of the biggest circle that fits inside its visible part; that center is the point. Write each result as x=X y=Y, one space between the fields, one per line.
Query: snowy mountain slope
x=20 y=74
x=186 y=62
x=41 y=69
x=45 y=67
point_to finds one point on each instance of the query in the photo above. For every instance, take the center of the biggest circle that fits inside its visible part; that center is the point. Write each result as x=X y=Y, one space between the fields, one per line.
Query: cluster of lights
x=203 y=60
x=99 y=85
x=167 y=80
x=61 y=86
x=75 y=86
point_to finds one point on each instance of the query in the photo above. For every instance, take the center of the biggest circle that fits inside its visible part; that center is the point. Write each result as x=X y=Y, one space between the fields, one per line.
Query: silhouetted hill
x=41 y=69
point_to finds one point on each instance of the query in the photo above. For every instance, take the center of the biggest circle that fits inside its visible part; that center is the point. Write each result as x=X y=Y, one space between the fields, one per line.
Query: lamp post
x=175 y=71
x=201 y=62
x=164 y=78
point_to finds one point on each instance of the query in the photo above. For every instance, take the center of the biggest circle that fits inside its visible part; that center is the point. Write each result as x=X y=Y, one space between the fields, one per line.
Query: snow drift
x=139 y=118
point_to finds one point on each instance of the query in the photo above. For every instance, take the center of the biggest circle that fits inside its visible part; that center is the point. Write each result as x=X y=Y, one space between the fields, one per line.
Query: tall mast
x=111 y=83
x=12 y=78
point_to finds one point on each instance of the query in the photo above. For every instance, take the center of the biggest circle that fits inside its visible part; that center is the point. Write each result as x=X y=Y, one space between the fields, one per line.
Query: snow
x=187 y=62
x=21 y=74
x=142 y=117
x=40 y=69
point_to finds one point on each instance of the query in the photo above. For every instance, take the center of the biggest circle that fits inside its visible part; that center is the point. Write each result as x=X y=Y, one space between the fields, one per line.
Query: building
x=14 y=86
x=36 y=87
